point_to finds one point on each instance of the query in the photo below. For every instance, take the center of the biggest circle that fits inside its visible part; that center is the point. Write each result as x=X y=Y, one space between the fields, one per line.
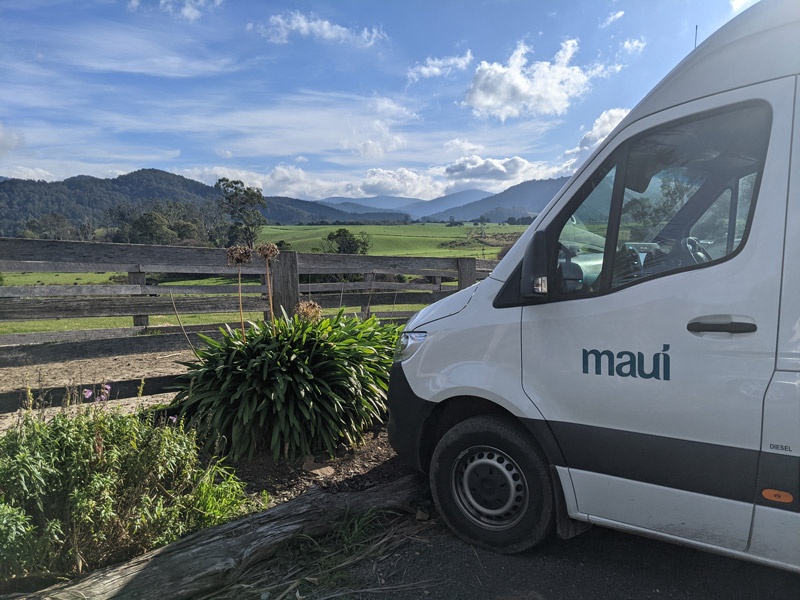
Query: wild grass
x=156 y=321
x=322 y=567
x=81 y=490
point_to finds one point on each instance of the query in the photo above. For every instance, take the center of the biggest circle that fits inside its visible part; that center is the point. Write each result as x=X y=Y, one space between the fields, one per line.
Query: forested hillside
x=92 y=203
x=150 y=206
x=146 y=206
x=290 y=211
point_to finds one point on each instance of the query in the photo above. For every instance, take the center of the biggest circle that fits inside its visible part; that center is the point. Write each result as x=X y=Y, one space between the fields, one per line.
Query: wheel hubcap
x=489 y=488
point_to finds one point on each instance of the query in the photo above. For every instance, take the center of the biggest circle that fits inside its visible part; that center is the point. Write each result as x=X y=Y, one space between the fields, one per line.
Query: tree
x=51 y=226
x=152 y=228
x=342 y=241
x=242 y=205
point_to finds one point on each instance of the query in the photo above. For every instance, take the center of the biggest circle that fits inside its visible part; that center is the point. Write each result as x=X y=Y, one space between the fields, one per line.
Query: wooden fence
x=384 y=286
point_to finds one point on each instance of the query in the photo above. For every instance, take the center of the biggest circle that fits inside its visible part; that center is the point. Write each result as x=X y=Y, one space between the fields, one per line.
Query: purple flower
x=87 y=393
x=173 y=419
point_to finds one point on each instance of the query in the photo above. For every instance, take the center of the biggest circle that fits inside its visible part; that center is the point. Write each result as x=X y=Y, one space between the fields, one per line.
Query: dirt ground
x=78 y=373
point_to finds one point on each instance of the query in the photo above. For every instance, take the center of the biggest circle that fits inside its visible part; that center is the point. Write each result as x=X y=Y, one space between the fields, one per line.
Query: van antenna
x=695 y=36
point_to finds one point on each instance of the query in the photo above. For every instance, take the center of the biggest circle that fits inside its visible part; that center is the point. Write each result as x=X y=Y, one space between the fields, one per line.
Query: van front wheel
x=492 y=486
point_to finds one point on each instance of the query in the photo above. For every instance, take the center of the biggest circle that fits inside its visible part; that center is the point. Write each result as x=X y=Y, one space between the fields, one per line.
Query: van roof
x=761 y=44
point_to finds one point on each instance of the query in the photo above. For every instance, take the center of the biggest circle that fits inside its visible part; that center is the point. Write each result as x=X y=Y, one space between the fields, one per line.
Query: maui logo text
x=627 y=364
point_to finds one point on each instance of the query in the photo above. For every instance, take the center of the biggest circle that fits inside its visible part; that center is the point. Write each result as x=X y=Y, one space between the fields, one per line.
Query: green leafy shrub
x=84 y=491
x=296 y=386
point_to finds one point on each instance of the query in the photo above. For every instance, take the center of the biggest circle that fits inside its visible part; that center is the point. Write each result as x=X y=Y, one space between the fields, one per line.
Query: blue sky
x=322 y=98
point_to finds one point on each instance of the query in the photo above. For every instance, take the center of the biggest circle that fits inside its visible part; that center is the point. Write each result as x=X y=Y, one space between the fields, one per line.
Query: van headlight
x=408 y=344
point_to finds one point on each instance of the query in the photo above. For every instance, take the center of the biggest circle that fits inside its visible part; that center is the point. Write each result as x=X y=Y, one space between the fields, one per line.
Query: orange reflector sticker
x=777 y=496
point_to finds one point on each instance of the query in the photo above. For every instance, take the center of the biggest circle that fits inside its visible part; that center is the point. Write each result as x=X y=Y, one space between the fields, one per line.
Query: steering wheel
x=696 y=250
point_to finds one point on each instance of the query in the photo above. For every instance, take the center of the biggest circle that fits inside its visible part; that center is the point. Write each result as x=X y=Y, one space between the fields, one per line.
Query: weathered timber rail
x=377 y=290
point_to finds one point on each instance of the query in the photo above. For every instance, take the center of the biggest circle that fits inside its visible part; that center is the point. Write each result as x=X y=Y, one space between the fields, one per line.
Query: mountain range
x=86 y=199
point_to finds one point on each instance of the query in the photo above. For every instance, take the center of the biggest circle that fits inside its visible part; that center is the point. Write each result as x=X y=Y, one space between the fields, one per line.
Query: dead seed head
x=239 y=255
x=308 y=310
x=267 y=251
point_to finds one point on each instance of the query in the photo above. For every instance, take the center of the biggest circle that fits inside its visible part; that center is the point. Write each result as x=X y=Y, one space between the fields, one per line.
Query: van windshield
x=687 y=199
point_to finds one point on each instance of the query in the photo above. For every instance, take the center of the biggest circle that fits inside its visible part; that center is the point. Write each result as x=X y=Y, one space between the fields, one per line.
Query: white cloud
x=439 y=67
x=632 y=46
x=281 y=27
x=128 y=49
x=602 y=126
x=615 y=16
x=490 y=174
x=474 y=167
x=542 y=88
x=497 y=174
x=191 y=10
x=386 y=107
x=372 y=132
x=210 y=175
x=400 y=182
x=461 y=147
x=294 y=182
x=37 y=174
x=374 y=140
x=223 y=153
x=10 y=139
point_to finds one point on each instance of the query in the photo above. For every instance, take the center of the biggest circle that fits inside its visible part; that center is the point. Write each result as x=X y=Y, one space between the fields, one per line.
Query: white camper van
x=634 y=360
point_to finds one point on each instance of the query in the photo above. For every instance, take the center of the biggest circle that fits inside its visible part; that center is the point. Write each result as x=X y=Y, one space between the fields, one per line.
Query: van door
x=651 y=355
x=776 y=520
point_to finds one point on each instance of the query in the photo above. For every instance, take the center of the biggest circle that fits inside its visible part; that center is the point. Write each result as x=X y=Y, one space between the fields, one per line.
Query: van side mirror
x=534 y=268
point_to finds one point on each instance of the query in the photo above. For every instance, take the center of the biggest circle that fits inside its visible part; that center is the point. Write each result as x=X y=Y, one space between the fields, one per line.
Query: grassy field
x=430 y=239
x=420 y=239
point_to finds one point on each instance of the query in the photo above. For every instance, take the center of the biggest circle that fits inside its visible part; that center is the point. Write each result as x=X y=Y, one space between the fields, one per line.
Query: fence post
x=369 y=278
x=285 y=281
x=467 y=272
x=139 y=277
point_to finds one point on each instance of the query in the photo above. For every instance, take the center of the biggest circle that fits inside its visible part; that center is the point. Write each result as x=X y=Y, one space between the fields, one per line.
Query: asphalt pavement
x=600 y=564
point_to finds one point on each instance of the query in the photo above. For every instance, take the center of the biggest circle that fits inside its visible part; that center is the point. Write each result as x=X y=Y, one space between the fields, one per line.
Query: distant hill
x=393 y=203
x=414 y=207
x=290 y=211
x=88 y=201
x=84 y=199
x=524 y=199
x=425 y=208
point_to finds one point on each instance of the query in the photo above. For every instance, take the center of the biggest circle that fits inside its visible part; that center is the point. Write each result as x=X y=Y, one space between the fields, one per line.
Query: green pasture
x=419 y=239
x=57 y=278
x=413 y=240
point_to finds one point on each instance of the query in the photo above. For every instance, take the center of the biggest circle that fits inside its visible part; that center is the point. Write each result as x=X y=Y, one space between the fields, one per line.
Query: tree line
x=234 y=217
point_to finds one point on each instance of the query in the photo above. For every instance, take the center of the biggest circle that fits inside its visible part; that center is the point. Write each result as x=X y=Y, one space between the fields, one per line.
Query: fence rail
x=384 y=286
x=290 y=272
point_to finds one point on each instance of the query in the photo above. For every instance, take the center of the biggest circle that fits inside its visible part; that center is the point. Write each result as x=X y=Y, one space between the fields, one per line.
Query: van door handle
x=730 y=327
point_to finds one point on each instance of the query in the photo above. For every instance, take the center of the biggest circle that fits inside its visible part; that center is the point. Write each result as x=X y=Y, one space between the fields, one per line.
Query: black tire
x=492 y=486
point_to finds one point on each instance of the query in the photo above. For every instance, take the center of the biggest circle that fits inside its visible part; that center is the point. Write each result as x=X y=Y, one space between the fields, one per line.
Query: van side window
x=582 y=241
x=685 y=201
